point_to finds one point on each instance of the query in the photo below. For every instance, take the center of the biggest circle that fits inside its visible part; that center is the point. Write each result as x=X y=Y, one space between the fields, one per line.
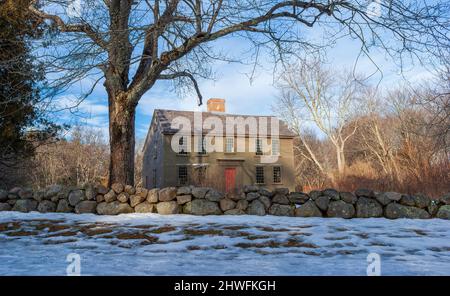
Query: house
x=216 y=149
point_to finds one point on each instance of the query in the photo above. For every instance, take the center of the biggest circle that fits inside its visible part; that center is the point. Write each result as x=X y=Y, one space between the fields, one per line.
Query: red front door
x=230 y=179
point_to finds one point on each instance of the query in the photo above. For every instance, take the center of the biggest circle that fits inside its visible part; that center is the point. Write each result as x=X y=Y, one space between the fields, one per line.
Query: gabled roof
x=165 y=118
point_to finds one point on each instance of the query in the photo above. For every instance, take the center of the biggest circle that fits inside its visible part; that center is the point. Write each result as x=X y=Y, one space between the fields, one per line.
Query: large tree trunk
x=121 y=141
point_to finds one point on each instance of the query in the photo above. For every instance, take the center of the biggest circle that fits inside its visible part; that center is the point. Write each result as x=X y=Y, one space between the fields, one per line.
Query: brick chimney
x=216 y=105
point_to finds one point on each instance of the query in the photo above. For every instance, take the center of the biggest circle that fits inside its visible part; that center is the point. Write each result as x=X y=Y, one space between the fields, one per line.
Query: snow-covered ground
x=151 y=244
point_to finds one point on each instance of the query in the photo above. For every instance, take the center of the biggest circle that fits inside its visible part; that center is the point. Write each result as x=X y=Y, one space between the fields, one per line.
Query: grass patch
x=22 y=233
x=142 y=236
x=163 y=229
x=197 y=232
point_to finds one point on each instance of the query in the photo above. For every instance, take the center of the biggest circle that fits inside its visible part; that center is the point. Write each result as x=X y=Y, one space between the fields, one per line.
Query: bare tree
x=312 y=94
x=131 y=44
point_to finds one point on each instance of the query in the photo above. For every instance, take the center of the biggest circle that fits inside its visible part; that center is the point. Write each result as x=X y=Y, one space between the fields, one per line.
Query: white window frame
x=259 y=146
x=273 y=174
x=201 y=145
x=229 y=145
x=183 y=145
x=263 y=175
x=275 y=147
x=179 y=175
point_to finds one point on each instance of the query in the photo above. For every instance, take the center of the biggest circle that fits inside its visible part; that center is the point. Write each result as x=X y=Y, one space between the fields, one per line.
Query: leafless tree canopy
x=130 y=44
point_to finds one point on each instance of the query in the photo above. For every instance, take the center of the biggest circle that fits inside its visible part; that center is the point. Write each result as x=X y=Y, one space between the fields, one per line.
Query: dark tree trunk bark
x=121 y=142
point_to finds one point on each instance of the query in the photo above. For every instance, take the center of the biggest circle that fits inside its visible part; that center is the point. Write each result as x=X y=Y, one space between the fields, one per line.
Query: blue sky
x=242 y=96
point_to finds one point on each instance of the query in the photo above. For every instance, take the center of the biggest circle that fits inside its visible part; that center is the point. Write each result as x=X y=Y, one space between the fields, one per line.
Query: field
x=151 y=244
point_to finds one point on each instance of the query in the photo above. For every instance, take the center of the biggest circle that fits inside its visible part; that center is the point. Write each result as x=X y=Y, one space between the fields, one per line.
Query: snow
x=220 y=245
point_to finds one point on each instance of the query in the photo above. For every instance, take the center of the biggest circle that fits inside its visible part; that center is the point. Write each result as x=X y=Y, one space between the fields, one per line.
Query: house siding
x=168 y=161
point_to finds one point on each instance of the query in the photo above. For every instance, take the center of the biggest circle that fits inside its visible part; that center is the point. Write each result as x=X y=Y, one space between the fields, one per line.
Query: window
x=182 y=145
x=229 y=145
x=259 y=147
x=201 y=145
x=182 y=175
x=259 y=175
x=275 y=147
x=276 y=174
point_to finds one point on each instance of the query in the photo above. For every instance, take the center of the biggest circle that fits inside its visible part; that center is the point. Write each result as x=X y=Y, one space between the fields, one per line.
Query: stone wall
x=251 y=200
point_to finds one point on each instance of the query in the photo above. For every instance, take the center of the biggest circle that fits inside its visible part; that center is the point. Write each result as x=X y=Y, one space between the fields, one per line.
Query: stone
x=340 y=209
x=421 y=201
x=265 y=192
x=395 y=211
x=182 y=199
x=394 y=196
x=407 y=200
x=281 y=210
x=204 y=207
x=113 y=208
x=298 y=198
x=368 y=208
x=123 y=197
x=25 y=193
x=11 y=202
x=110 y=196
x=280 y=199
x=250 y=188
x=214 y=195
x=236 y=195
x=145 y=207
x=242 y=204
x=322 y=202
x=75 y=197
x=25 y=205
x=235 y=212
x=39 y=195
x=141 y=192
x=444 y=212
x=136 y=199
x=348 y=197
x=332 y=193
x=363 y=192
x=117 y=187
x=308 y=209
x=100 y=198
x=256 y=208
x=251 y=196
x=46 y=206
x=63 y=207
x=200 y=192
x=382 y=198
x=266 y=201
x=89 y=192
x=153 y=195
x=100 y=189
x=3 y=195
x=129 y=189
x=446 y=199
x=53 y=190
x=227 y=204
x=15 y=191
x=86 y=207
x=12 y=196
x=281 y=190
x=185 y=190
x=167 y=207
x=314 y=194
x=433 y=208
x=56 y=198
x=4 y=207
x=167 y=194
